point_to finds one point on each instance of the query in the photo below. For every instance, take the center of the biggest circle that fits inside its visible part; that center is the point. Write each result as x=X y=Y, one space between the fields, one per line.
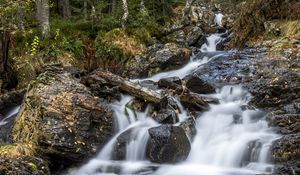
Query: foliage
x=34 y=45
x=14 y=14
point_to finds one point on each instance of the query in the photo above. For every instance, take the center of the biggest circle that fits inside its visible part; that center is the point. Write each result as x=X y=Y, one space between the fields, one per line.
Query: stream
x=231 y=138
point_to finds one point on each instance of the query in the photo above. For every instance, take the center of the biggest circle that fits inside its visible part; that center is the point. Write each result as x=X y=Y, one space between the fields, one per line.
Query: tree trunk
x=42 y=15
x=131 y=88
x=85 y=10
x=4 y=47
x=126 y=13
x=64 y=9
x=114 y=6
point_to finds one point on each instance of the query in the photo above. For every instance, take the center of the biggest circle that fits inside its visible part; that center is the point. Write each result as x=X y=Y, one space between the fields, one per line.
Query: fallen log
x=136 y=90
x=132 y=88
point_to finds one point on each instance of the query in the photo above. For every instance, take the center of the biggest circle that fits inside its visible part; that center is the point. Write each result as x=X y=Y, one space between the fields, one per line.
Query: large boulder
x=61 y=117
x=194 y=35
x=159 y=58
x=167 y=144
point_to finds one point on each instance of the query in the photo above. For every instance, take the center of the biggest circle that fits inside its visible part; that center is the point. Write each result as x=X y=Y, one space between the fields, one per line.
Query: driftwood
x=131 y=88
x=136 y=90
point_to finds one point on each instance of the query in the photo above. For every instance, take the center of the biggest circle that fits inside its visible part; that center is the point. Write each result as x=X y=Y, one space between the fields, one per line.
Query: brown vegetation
x=253 y=15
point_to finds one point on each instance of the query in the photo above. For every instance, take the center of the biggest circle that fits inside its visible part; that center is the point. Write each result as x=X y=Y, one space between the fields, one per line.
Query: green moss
x=153 y=71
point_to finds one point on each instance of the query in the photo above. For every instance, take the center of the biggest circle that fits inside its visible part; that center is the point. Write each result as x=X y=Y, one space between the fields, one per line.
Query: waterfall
x=231 y=138
x=218 y=19
x=10 y=114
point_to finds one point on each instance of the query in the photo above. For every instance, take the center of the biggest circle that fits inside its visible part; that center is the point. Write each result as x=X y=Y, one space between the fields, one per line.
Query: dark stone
x=168 y=102
x=170 y=82
x=286 y=123
x=11 y=99
x=100 y=87
x=194 y=35
x=121 y=144
x=137 y=105
x=159 y=58
x=195 y=102
x=167 y=144
x=189 y=126
x=287 y=148
x=24 y=165
x=197 y=85
x=165 y=116
x=288 y=168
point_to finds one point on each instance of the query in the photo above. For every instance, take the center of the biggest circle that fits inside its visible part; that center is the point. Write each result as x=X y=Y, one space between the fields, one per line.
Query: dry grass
x=26 y=127
x=253 y=14
x=128 y=44
x=290 y=28
x=17 y=150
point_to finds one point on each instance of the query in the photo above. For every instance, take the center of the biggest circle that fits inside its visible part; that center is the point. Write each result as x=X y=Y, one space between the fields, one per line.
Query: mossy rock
x=21 y=159
x=61 y=117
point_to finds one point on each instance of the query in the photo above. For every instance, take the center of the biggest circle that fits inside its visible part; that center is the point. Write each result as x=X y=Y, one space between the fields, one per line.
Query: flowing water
x=10 y=114
x=231 y=139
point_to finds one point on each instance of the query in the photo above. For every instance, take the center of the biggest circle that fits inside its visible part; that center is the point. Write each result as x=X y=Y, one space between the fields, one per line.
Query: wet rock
x=195 y=84
x=61 y=117
x=170 y=83
x=194 y=35
x=101 y=87
x=23 y=166
x=165 y=116
x=160 y=58
x=189 y=126
x=202 y=15
x=19 y=159
x=288 y=168
x=178 y=37
x=134 y=134
x=137 y=105
x=286 y=123
x=121 y=144
x=167 y=144
x=196 y=102
x=11 y=99
x=287 y=148
x=168 y=102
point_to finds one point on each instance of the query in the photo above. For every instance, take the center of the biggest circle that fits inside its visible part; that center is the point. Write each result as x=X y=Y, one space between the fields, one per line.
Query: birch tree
x=143 y=10
x=42 y=15
x=126 y=12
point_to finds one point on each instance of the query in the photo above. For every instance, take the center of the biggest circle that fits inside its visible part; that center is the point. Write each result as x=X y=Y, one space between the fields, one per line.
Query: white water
x=222 y=145
x=218 y=19
x=11 y=113
x=211 y=43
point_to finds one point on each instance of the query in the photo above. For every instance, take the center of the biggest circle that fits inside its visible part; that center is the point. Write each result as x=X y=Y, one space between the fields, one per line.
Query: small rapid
x=232 y=138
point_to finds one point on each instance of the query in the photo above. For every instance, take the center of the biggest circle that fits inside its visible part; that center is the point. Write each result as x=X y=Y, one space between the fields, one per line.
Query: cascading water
x=12 y=113
x=218 y=19
x=231 y=137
